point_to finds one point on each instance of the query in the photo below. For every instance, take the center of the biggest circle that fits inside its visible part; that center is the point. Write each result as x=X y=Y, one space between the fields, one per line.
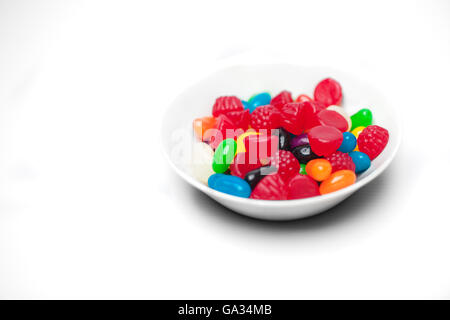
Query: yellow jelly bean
x=356 y=133
x=240 y=140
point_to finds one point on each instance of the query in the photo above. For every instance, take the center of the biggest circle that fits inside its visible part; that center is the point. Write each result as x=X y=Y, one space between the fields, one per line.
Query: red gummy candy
x=302 y=186
x=265 y=117
x=292 y=117
x=328 y=92
x=240 y=119
x=324 y=140
x=281 y=99
x=271 y=187
x=243 y=163
x=341 y=161
x=224 y=129
x=261 y=147
x=372 y=140
x=223 y=105
x=287 y=165
x=309 y=111
x=333 y=119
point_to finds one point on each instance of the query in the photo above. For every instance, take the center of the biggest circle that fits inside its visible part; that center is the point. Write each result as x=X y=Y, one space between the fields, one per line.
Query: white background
x=89 y=208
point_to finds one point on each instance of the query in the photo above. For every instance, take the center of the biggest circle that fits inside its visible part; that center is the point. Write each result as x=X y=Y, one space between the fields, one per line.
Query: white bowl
x=245 y=80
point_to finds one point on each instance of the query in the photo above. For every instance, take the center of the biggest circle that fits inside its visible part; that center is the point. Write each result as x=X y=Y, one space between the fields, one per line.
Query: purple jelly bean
x=299 y=140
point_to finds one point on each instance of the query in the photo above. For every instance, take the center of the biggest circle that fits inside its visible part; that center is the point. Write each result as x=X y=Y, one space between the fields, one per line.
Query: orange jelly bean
x=202 y=125
x=338 y=180
x=319 y=169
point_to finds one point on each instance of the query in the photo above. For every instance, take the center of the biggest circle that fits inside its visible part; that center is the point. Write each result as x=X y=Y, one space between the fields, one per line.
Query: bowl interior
x=245 y=80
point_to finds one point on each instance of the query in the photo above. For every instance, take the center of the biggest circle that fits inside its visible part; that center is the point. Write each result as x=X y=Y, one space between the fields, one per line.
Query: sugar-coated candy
x=333 y=119
x=342 y=112
x=348 y=143
x=260 y=99
x=372 y=140
x=324 y=140
x=202 y=127
x=302 y=186
x=230 y=184
x=302 y=168
x=201 y=161
x=243 y=163
x=283 y=139
x=356 y=133
x=256 y=175
x=361 y=161
x=362 y=118
x=299 y=140
x=304 y=153
x=318 y=169
x=328 y=92
x=240 y=140
x=224 y=155
x=338 y=180
x=271 y=187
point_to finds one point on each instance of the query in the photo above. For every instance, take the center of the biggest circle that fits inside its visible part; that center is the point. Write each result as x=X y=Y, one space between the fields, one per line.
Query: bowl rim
x=276 y=203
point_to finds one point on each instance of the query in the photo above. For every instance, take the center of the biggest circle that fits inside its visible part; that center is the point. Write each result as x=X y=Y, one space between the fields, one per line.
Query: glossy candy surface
x=348 y=143
x=333 y=119
x=304 y=153
x=328 y=92
x=361 y=160
x=202 y=126
x=240 y=140
x=302 y=168
x=303 y=97
x=261 y=146
x=362 y=118
x=230 y=184
x=283 y=139
x=256 y=175
x=302 y=186
x=324 y=140
x=243 y=163
x=201 y=160
x=224 y=155
x=356 y=133
x=260 y=99
x=318 y=169
x=299 y=140
x=344 y=114
x=338 y=180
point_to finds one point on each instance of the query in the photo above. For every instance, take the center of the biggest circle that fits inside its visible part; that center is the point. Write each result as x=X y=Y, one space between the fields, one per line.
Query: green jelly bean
x=362 y=118
x=224 y=155
x=302 y=168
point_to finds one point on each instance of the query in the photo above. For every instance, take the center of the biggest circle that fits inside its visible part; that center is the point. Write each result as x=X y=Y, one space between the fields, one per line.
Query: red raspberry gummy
x=224 y=128
x=302 y=186
x=341 y=161
x=286 y=163
x=271 y=187
x=265 y=117
x=240 y=119
x=372 y=140
x=328 y=92
x=324 y=140
x=333 y=119
x=243 y=163
x=281 y=99
x=223 y=105
x=292 y=117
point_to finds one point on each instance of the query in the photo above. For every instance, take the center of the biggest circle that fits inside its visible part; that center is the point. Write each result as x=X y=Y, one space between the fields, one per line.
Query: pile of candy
x=278 y=149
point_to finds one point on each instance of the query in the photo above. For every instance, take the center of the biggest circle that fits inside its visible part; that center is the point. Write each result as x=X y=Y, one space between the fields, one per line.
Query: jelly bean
x=230 y=184
x=224 y=155
x=283 y=139
x=338 y=180
x=213 y=178
x=201 y=160
x=247 y=106
x=304 y=154
x=362 y=118
x=299 y=140
x=324 y=140
x=356 y=133
x=240 y=140
x=302 y=168
x=344 y=114
x=303 y=97
x=301 y=186
x=349 y=142
x=255 y=176
x=201 y=127
x=260 y=99
x=361 y=161
x=243 y=163
x=333 y=119
x=319 y=169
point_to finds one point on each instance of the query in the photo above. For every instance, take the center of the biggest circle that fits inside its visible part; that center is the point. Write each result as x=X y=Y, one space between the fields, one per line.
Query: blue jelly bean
x=230 y=184
x=348 y=143
x=361 y=161
x=247 y=106
x=260 y=99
